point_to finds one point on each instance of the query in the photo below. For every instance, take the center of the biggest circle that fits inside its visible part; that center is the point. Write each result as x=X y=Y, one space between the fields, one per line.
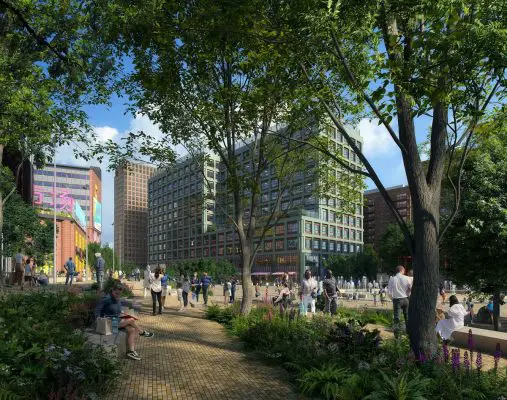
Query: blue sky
x=112 y=123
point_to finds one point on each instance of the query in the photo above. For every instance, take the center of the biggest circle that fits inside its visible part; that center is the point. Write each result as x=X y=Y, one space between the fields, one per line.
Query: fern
x=6 y=394
x=400 y=387
x=325 y=381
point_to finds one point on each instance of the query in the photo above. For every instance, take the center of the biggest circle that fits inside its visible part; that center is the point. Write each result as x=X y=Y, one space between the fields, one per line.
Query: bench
x=116 y=343
x=485 y=340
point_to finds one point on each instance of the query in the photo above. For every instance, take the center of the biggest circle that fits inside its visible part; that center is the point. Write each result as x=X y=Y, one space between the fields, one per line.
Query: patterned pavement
x=194 y=358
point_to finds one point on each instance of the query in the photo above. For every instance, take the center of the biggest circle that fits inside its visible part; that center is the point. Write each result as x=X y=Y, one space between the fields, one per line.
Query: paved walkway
x=194 y=358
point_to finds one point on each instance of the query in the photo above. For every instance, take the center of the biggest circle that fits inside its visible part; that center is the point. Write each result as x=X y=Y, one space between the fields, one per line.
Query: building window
x=331 y=246
x=316 y=244
x=308 y=227
x=268 y=245
x=324 y=245
x=279 y=244
x=308 y=243
x=332 y=231
x=292 y=227
x=280 y=229
x=292 y=244
x=324 y=230
x=316 y=228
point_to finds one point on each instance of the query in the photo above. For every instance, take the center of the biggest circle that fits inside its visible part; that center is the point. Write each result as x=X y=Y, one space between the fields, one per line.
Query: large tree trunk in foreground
x=425 y=262
x=246 y=275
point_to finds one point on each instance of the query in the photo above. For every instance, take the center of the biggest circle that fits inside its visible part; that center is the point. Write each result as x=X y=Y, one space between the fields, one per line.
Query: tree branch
x=367 y=98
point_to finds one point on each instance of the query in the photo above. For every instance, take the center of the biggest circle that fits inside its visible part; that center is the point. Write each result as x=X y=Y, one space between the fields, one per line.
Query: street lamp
x=88 y=213
x=113 y=245
x=54 y=214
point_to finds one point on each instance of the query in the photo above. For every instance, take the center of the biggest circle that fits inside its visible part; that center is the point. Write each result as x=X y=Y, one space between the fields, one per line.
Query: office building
x=131 y=213
x=187 y=219
x=377 y=215
x=78 y=199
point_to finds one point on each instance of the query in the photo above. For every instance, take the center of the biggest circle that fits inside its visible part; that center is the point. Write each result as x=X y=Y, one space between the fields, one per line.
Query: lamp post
x=113 y=245
x=54 y=215
x=88 y=212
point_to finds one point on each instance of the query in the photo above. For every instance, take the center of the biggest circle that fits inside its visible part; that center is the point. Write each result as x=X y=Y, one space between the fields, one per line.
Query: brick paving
x=193 y=358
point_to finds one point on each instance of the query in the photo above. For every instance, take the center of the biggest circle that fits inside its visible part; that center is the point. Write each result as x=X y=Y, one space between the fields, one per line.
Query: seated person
x=42 y=279
x=110 y=306
x=455 y=319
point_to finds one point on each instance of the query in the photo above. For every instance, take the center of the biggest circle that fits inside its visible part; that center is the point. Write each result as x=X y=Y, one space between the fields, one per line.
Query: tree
x=51 y=63
x=393 y=245
x=443 y=62
x=356 y=265
x=206 y=77
x=476 y=246
x=107 y=254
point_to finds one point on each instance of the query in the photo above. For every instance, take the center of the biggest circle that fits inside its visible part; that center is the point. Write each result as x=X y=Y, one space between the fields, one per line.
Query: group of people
x=25 y=271
x=230 y=286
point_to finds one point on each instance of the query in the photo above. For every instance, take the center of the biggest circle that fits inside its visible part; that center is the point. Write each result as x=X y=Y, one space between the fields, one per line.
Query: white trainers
x=133 y=356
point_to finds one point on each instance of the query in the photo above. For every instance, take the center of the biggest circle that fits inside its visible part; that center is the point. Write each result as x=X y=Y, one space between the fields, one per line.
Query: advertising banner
x=97 y=214
x=79 y=215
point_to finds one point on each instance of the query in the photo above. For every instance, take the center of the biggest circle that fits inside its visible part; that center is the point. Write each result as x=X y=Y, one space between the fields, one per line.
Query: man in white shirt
x=398 y=289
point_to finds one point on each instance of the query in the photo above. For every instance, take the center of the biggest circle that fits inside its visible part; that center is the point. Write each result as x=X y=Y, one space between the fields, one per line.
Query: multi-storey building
x=377 y=215
x=188 y=204
x=131 y=213
x=78 y=204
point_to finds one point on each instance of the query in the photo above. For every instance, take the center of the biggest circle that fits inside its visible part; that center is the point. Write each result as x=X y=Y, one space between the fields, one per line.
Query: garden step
x=485 y=340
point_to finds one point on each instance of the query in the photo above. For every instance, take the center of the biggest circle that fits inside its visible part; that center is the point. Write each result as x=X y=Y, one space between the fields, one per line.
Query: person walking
x=146 y=282
x=70 y=268
x=205 y=283
x=398 y=289
x=165 y=283
x=185 y=290
x=19 y=270
x=28 y=271
x=330 y=293
x=227 y=291
x=196 y=285
x=234 y=284
x=100 y=267
x=308 y=292
x=156 y=289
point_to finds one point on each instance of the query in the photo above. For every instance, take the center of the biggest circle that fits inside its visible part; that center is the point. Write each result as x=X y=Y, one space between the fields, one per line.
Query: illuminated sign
x=97 y=214
x=45 y=196
x=79 y=215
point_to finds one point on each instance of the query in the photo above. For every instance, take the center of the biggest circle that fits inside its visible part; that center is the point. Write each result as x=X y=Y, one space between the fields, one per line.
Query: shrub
x=43 y=355
x=400 y=387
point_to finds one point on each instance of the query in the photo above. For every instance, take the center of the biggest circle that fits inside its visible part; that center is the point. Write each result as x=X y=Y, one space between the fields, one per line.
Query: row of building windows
x=61 y=174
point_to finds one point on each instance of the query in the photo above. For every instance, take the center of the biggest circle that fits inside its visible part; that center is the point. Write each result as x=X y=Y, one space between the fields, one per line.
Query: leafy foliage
x=355 y=265
x=42 y=350
x=401 y=387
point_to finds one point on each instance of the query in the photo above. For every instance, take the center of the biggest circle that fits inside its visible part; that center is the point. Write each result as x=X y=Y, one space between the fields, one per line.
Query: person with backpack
x=70 y=268
x=156 y=289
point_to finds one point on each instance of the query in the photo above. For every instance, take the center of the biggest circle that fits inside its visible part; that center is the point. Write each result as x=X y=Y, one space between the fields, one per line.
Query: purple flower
x=478 y=361
x=445 y=350
x=421 y=358
x=456 y=359
x=498 y=354
x=466 y=362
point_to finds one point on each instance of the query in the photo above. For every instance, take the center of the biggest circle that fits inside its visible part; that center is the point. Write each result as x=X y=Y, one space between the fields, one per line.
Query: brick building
x=377 y=215
x=131 y=213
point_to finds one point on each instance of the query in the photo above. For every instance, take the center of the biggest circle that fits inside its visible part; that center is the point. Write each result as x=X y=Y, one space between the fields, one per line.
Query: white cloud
x=143 y=123
x=377 y=141
x=105 y=133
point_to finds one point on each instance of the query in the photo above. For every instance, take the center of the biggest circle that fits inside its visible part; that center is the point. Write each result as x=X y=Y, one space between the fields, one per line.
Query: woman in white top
x=146 y=282
x=156 y=289
x=455 y=319
x=308 y=292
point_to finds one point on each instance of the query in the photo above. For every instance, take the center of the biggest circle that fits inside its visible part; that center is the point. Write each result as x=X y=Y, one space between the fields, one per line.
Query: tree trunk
x=425 y=261
x=1 y=204
x=497 y=324
x=246 y=275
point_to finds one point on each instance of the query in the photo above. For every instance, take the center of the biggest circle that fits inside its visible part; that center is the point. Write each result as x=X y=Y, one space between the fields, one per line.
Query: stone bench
x=485 y=340
x=116 y=344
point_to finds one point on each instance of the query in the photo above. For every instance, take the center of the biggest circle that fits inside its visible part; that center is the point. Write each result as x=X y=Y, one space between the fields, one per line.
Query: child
x=179 y=290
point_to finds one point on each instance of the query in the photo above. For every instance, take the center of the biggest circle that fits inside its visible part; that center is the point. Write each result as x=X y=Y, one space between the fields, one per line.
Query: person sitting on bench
x=455 y=319
x=110 y=306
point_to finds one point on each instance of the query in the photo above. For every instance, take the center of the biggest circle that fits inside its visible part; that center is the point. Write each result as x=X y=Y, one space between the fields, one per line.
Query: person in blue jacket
x=205 y=283
x=70 y=267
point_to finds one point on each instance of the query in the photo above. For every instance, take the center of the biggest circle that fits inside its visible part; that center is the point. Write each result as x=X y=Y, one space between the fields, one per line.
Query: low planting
x=339 y=359
x=43 y=351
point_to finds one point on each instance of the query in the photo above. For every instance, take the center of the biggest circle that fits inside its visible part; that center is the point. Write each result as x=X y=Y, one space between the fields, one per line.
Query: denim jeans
x=205 y=294
x=69 y=275
x=100 y=279
x=185 y=299
x=400 y=305
x=157 y=296
x=331 y=305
